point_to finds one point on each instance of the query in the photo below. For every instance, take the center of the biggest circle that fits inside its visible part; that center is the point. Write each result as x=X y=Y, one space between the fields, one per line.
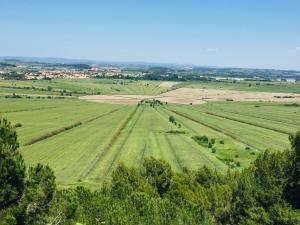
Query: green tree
x=293 y=189
x=12 y=170
x=158 y=173
x=269 y=174
x=40 y=188
x=171 y=119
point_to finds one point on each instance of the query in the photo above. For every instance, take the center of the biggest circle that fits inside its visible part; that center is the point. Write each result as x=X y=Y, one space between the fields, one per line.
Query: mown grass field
x=261 y=86
x=106 y=134
x=80 y=87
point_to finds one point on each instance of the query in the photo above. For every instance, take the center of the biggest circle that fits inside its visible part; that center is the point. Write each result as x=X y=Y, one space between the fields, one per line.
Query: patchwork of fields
x=105 y=134
x=77 y=87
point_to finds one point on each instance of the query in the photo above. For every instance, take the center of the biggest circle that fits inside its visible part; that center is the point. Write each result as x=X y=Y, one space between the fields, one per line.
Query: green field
x=80 y=87
x=106 y=134
x=261 y=86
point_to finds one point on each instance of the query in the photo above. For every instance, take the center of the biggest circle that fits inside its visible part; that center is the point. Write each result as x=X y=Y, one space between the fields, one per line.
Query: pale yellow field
x=197 y=96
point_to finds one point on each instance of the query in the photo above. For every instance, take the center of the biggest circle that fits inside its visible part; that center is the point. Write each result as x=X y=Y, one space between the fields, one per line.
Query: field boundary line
x=25 y=110
x=108 y=146
x=143 y=153
x=246 y=122
x=103 y=114
x=52 y=133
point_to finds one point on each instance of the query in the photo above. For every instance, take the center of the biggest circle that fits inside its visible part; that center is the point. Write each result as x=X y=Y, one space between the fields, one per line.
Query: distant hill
x=153 y=67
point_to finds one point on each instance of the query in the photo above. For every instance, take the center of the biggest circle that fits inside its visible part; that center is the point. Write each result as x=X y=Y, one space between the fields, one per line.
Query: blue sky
x=253 y=33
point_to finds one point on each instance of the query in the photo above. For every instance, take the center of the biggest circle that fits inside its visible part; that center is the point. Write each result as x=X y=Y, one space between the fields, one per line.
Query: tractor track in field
x=212 y=127
x=117 y=154
x=146 y=146
x=157 y=143
x=246 y=122
x=178 y=161
x=143 y=153
x=108 y=145
x=103 y=114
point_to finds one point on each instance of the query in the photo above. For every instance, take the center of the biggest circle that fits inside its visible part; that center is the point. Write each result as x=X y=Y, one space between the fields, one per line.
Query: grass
x=71 y=152
x=239 y=131
x=260 y=86
x=80 y=87
x=109 y=133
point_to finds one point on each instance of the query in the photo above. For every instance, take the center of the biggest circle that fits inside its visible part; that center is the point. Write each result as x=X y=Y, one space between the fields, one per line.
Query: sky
x=224 y=33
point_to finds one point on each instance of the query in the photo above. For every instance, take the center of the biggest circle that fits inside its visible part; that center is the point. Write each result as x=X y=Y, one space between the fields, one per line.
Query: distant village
x=21 y=70
x=40 y=73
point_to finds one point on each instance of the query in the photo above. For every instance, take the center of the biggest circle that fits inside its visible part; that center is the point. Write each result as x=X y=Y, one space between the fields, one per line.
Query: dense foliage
x=265 y=193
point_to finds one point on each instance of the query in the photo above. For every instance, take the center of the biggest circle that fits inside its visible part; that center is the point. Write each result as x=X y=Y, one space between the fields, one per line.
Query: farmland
x=77 y=87
x=259 y=86
x=83 y=141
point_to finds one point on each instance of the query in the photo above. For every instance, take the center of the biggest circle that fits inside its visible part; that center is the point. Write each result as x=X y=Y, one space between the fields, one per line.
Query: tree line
x=267 y=192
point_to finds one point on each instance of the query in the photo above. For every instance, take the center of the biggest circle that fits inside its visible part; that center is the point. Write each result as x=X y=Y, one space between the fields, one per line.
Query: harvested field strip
x=52 y=133
x=104 y=114
x=108 y=146
x=212 y=127
x=247 y=122
x=117 y=153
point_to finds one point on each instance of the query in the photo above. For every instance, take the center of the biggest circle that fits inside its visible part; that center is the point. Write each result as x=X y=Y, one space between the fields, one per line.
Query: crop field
x=78 y=87
x=259 y=86
x=83 y=141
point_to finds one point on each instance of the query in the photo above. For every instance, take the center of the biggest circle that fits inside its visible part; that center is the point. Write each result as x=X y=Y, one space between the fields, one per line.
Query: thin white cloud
x=212 y=49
